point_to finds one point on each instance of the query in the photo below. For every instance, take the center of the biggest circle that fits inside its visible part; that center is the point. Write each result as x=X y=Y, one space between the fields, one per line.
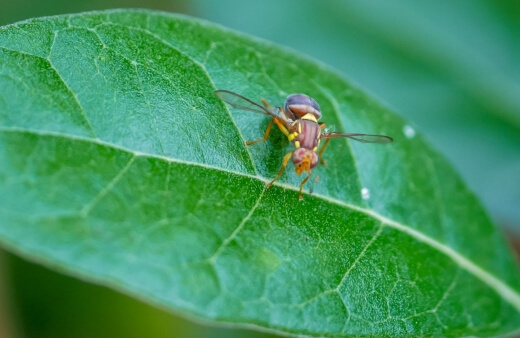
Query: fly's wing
x=365 y=138
x=238 y=101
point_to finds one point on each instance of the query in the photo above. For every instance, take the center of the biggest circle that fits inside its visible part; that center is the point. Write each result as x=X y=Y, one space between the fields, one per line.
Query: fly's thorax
x=299 y=105
x=304 y=160
x=305 y=134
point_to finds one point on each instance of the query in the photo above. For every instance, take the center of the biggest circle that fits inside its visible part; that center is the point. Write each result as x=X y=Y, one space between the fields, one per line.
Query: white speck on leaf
x=408 y=131
x=365 y=193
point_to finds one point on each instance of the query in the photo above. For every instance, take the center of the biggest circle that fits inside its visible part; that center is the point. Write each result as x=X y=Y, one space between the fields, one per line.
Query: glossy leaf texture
x=119 y=165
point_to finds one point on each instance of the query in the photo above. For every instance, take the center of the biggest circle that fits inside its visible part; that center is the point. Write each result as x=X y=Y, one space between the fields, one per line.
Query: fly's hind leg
x=322 y=150
x=322 y=126
x=266 y=134
x=284 y=164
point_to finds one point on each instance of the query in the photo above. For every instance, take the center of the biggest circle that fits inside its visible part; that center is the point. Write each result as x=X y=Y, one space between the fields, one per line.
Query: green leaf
x=119 y=165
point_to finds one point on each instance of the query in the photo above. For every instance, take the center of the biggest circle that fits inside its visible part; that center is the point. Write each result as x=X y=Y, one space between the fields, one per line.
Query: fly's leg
x=266 y=134
x=284 y=164
x=282 y=127
x=267 y=104
x=322 y=126
x=278 y=122
x=322 y=150
x=302 y=184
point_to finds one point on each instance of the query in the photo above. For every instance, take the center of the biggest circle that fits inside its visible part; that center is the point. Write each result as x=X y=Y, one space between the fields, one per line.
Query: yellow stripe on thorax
x=309 y=117
x=294 y=134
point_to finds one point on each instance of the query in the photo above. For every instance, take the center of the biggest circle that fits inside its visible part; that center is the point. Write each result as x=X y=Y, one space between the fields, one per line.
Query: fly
x=298 y=121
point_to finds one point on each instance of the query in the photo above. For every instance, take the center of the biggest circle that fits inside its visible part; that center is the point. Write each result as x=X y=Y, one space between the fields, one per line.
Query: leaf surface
x=118 y=164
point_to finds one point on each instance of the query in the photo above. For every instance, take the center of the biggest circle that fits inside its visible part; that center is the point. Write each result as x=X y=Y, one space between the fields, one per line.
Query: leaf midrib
x=504 y=290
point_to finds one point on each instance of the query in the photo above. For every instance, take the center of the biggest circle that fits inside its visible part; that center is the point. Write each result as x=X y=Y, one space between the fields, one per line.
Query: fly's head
x=304 y=160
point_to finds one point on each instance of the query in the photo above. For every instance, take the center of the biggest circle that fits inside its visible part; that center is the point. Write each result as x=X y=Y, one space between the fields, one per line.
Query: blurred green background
x=449 y=67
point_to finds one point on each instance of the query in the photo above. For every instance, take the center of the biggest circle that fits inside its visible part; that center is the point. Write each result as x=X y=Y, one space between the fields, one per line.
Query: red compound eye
x=314 y=161
x=298 y=155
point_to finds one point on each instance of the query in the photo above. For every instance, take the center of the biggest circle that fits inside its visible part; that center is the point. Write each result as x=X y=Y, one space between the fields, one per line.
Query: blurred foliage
x=452 y=67
x=51 y=304
x=13 y=11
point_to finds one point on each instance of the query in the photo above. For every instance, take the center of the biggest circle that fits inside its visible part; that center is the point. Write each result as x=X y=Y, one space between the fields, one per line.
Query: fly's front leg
x=302 y=184
x=322 y=150
x=284 y=164
x=266 y=134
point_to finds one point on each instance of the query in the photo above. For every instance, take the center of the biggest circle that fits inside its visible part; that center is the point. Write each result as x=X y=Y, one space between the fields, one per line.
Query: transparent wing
x=238 y=101
x=365 y=138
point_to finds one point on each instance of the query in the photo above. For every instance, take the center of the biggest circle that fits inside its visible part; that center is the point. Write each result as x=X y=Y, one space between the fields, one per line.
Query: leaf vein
x=358 y=258
x=235 y=232
x=108 y=187
x=74 y=96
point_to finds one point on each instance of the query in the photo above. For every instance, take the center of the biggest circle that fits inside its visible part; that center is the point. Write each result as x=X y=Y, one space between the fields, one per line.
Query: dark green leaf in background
x=118 y=164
